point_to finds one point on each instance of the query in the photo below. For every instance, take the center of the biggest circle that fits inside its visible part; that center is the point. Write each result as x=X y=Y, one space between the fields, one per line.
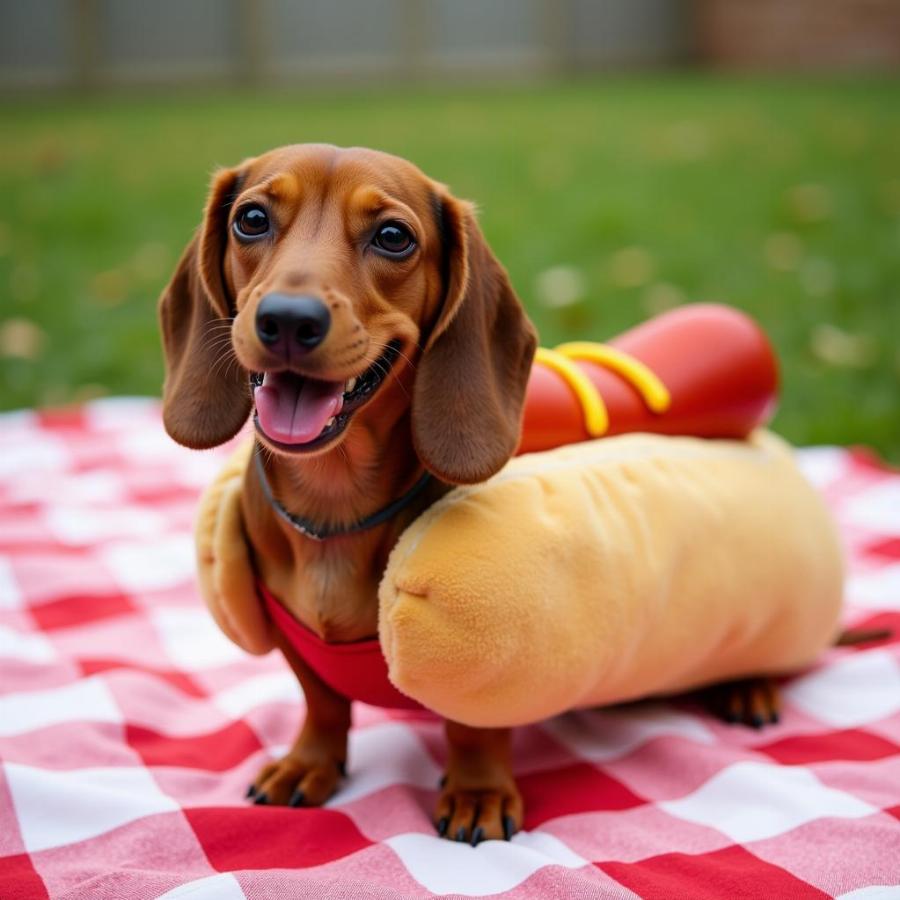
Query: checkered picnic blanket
x=130 y=728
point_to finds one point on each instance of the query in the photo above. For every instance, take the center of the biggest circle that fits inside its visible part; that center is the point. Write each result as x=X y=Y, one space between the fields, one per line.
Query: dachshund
x=352 y=308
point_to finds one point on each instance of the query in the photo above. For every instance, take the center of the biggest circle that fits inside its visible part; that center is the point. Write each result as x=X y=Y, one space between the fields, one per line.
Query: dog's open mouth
x=298 y=413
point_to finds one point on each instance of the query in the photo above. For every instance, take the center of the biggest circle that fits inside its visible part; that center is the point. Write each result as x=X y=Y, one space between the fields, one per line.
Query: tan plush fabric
x=611 y=570
x=224 y=570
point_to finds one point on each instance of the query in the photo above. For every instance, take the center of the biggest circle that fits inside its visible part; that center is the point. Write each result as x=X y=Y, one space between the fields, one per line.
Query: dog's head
x=319 y=276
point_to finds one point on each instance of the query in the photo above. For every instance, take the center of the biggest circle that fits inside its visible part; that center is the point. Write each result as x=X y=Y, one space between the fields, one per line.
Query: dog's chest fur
x=331 y=591
x=331 y=586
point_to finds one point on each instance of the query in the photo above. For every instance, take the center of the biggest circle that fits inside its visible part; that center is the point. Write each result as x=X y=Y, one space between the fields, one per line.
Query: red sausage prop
x=715 y=361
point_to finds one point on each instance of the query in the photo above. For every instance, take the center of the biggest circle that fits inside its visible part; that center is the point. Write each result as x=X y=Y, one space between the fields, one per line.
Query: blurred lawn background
x=608 y=200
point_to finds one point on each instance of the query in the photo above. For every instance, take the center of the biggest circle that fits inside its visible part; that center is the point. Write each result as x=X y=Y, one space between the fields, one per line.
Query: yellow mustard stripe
x=654 y=393
x=596 y=419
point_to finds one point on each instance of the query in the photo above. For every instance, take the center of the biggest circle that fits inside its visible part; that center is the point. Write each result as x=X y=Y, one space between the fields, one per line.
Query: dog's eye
x=251 y=222
x=394 y=239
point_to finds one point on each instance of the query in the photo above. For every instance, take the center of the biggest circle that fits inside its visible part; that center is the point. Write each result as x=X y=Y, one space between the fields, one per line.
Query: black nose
x=285 y=323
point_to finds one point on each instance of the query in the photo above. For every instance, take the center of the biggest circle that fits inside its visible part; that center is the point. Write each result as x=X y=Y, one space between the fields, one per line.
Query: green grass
x=780 y=197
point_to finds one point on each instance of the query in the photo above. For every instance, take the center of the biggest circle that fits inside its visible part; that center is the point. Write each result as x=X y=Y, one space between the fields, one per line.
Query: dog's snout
x=285 y=322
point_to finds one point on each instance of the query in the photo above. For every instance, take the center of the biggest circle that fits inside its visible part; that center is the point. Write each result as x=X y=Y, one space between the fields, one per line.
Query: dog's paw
x=296 y=780
x=475 y=813
x=748 y=701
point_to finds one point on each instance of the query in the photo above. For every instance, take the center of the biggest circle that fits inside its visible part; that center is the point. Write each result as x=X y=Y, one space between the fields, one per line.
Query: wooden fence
x=111 y=43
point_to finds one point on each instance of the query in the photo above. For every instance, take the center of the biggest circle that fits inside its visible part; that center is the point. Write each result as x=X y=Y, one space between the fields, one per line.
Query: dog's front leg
x=479 y=799
x=309 y=773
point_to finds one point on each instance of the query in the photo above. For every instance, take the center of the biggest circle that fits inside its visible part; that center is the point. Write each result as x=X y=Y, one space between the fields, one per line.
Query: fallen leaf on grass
x=87 y=392
x=559 y=286
x=51 y=157
x=109 y=288
x=842 y=349
x=21 y=339
x=809 y=202
x=631 y=267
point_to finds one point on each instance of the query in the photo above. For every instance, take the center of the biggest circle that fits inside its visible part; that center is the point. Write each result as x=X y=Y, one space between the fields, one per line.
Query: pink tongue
x=294 y=410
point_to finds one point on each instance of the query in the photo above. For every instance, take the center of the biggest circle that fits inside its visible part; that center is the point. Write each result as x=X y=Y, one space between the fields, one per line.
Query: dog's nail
x=731 y=718
x=461 y=833
x=757 y=721
x=477 y=836
x=509 y=827
x=251 y=791
x=262 y=799
x=774 y=717
x=342 y=767
x=297 y=798
x=442 y=826
x=443 y=782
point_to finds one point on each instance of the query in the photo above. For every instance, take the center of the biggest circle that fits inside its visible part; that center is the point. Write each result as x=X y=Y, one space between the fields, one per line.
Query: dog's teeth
x=351 y=383
x=330 y=422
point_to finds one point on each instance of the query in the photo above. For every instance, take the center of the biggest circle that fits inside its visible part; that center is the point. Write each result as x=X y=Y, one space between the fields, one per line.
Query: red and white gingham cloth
x=130 y=728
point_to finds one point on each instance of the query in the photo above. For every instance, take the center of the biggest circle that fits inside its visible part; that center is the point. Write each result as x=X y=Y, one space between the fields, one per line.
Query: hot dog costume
x=596 y=572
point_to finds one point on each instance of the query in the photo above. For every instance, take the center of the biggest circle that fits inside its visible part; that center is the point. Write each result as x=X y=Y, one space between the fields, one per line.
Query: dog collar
x=316 y=532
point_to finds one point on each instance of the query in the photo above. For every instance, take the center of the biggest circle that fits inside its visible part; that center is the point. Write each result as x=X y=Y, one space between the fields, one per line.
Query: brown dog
x=353 y=307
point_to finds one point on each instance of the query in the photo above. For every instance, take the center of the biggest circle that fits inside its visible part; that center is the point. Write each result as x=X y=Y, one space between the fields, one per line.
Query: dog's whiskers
x=222 y=366
x=216 y=342
x=216 y=333
x=380 y=367
x=221 y=350
x=380 y=346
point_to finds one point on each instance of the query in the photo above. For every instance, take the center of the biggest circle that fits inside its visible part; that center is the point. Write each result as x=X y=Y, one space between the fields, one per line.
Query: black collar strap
x=310 y=529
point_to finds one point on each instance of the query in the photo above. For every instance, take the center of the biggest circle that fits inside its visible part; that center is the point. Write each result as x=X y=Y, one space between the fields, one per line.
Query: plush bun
x=607 y=571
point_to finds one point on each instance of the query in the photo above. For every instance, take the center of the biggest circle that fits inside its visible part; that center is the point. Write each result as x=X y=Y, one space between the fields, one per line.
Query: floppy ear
x=206 y=396
x=470 y=386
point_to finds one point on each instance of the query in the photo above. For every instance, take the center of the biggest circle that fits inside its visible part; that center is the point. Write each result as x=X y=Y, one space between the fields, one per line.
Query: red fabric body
x=716 y=362
x=356 y=669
